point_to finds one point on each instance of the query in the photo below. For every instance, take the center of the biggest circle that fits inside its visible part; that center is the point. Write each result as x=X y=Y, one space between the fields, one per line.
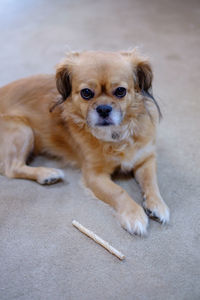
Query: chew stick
x=98 y=240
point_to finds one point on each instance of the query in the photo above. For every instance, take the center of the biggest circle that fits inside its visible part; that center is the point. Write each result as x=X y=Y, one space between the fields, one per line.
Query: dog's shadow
x=122 y=176
x=127 y=181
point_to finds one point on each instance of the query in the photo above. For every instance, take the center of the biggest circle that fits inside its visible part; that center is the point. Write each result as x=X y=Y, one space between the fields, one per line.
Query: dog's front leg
x=154 y=205
x=131 y=215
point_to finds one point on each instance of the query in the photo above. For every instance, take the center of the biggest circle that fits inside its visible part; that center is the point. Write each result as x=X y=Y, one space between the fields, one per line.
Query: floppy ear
x=144 y=78
x=63 y=81
x=143 y=74
x=142 y=70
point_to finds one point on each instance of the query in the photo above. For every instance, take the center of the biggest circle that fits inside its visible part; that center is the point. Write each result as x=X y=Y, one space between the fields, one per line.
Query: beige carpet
x=41 y=255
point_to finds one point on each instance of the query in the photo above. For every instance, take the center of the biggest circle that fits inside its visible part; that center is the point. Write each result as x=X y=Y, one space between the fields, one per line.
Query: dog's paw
x=134 y=220
x=50 y=176
x=156 y=209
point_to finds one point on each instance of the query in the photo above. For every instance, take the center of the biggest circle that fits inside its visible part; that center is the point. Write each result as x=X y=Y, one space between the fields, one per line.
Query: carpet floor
x=41 y=255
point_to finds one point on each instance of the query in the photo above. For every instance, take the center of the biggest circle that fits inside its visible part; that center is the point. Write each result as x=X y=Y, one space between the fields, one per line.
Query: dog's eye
x=87 y=94
x=120 y=92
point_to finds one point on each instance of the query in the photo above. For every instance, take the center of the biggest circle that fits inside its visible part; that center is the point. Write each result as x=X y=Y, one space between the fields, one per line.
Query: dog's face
x=103 y=90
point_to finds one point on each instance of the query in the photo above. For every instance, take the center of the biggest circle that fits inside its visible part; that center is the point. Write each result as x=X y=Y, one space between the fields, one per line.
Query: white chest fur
x=137 y=155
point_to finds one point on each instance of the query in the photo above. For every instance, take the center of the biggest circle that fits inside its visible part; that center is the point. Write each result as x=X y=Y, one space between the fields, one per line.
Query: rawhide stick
x=98 y=240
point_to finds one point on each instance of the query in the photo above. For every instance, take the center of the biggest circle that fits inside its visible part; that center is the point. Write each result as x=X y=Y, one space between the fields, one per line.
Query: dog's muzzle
x=104 y=112
x=104 y=115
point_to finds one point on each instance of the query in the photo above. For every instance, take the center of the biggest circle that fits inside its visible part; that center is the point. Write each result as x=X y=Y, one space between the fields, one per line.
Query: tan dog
x=105 y=119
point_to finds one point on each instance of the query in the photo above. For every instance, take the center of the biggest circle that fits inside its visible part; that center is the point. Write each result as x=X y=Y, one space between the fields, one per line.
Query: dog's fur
x=34 y=117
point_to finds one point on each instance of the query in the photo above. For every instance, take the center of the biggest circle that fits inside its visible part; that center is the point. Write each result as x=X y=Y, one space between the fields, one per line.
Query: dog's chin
x=110 y=132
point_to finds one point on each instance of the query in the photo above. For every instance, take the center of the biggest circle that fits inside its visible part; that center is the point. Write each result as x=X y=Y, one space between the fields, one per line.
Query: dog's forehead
x=102 y=66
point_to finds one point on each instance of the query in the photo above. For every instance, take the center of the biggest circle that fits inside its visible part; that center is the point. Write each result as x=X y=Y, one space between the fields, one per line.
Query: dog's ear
x=63 y=78
x=142 y=73
x=143 y=76
x=63 y=81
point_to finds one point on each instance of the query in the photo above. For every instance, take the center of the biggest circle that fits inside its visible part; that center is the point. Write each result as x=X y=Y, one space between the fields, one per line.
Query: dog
x=97 y=112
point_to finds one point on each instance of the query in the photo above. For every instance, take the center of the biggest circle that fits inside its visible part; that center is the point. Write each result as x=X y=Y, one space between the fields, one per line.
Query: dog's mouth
x=104 y=122
x=95 y=119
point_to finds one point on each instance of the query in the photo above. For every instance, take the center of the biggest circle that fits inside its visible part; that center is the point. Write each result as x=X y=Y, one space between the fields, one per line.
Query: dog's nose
x=104 y=110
